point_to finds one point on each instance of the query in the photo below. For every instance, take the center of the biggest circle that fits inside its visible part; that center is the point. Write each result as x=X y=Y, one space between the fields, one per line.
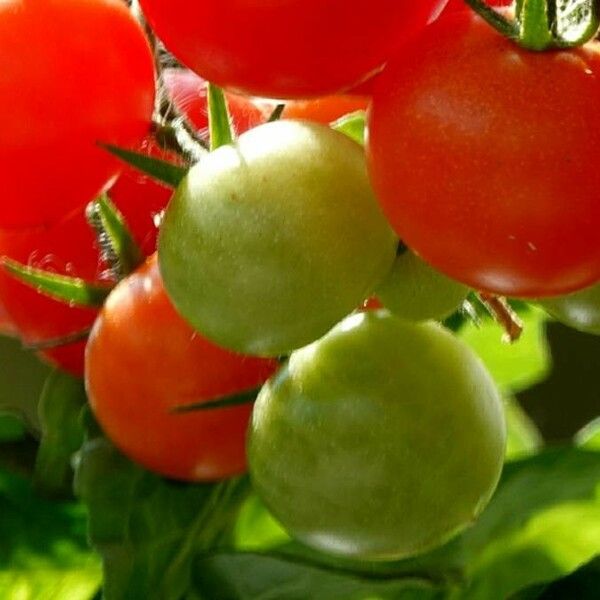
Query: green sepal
x=219 y=120
x=70 y=290
x=353 y=125
x=161 y=170
x=224 y=402
x=119 y=248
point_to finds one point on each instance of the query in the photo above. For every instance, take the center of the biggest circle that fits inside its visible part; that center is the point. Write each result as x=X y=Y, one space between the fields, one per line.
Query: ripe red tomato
x=69 y=247
x=143 y=360
x=482 y=155
x=189 y=94
x=288 y=48
x=74 y=73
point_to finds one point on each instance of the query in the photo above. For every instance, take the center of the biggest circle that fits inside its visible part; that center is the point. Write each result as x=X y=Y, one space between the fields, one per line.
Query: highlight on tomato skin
x=467 y=158
x=264 y=49
x=63 y=94
x=143 y=361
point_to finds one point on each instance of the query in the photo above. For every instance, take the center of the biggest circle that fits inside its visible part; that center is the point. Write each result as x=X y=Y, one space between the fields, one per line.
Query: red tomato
x=143 y=360
x=69 y=247
x=188 y=92
x=74 y=73
x=483 y=157
x=324 y=110
x=288 y=48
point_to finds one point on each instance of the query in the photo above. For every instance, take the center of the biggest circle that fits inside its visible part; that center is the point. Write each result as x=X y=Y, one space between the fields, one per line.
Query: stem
x=504 y=315
x=534 y=20
x=498 y=21
x=219 y=120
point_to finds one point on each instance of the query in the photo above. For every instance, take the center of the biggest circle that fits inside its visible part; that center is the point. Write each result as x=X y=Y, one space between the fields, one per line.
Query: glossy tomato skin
x=378 y=441
x=66 y=88
x=288 y=48
x=143 y=360
x=188 y=92
x=481 y=154
x=268 y=243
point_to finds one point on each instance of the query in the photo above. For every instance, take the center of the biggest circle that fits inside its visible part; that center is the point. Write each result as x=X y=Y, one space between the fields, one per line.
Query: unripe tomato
x=143 y=360
x=580 y=310
x=269 y=242
x=74 y=73
x=415 y=291
x=288 y=48
x=381 y=440
x=482 y=155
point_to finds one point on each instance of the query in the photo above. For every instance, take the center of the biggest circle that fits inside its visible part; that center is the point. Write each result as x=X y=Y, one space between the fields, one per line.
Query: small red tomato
x=143 y=360
x=483 y=157
x=75 y=73
x=286 y=48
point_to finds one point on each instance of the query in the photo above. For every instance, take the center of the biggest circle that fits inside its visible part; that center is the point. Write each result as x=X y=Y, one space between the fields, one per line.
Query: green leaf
x=60 y=407
x=22 y=377
x=118 y=246
x=543 y=524
x=158 y=169
x=43 y=549
x=256 y=528
x=353 y=125
x=70 y=290
x=219 y=121
x=11 y=428
x=523 y=437
x=149 y=530
x=516 y=366
x=237 y=576
x=589 y=437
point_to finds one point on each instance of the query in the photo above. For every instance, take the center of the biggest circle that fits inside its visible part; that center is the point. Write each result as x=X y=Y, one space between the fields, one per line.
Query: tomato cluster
x=477 y=160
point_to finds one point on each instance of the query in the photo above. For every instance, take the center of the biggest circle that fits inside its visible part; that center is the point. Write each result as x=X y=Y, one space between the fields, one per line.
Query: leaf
x=70 y=290
x=22 y=377
x=219 y=121
x=256 y=528
x=60 y=407
x=238 y=576
x=589 y=437
x=161 y=170
x=149 y=530
x=11 y=428
x=353 y=125
x=523 y=437
x=43 y=549
x=118 y=246
x=516 y=366
x=543 y=524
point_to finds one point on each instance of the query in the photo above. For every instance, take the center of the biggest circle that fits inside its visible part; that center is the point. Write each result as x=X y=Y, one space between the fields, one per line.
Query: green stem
x=219 y=121
x=497 y=20
x=535 y=30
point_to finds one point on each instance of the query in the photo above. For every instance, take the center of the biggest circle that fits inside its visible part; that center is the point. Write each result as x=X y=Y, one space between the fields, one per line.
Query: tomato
x=189 y=94
x=324 y=110
x=143 y=360
x=481 y=155
x=580 y=310
x=288 y=48
x=381 y=440
x=64 y=89
x=461 y=5
x=415 y=291
x=269 y=242
x=69 y=247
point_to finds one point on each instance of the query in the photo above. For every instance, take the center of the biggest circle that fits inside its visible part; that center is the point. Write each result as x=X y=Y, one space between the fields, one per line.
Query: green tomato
x=580 y=310
x=270 y=242
x=415 y=291
x=379 y=441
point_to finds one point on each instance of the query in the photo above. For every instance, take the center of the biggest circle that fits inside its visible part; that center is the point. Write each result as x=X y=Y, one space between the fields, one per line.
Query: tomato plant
x=468 y=135
x=288 y=48
x=284 y=192
x=359 y=444
x=64 y=92
x=143 y=361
